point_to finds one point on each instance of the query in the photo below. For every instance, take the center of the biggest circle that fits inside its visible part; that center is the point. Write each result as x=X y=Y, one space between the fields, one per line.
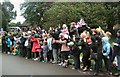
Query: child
x=45 y=51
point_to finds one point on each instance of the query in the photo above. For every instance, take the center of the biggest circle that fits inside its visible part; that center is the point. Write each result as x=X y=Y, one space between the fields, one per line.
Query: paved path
x=16 y=65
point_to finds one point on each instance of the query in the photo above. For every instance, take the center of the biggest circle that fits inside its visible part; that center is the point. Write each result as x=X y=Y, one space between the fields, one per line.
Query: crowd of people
x=58 y=45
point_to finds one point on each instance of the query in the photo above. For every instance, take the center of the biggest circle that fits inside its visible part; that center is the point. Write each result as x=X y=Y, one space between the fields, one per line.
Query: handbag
x=93 y=56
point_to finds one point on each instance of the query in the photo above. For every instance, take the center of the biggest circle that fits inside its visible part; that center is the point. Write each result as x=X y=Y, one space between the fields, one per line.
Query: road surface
x=16 y=65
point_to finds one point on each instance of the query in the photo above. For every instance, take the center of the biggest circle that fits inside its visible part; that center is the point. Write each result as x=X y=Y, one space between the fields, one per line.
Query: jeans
x=50 y=55
x=77 y=61
x=28 y=53
x=64 y=55
x=107 y=63
x=55 y=55
x=118 y=61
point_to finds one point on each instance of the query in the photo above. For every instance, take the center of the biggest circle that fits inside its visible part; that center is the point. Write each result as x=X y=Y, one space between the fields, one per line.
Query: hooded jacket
x=106 y=47
x=117 y=48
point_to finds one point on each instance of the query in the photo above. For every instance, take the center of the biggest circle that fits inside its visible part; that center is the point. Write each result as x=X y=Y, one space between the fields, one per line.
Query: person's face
x=62 y=37
x=93 y=33
x=118 y=34
x=72 y=25
x=81 y=36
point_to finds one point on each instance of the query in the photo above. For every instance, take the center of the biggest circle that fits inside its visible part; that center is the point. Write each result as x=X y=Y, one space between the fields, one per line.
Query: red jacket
x=36 y=46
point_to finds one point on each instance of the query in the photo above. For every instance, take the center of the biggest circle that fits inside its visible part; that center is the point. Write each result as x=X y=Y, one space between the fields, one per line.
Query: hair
x=118 y=31
x=108 y=34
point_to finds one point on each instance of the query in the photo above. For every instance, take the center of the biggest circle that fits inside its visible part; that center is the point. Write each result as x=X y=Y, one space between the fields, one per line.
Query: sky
x=16 y=4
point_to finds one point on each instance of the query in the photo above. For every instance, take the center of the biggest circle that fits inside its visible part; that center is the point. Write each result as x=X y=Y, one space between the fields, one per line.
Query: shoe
x=73 y=68
x=116 y=74
x=14 y=54
x=51 y=61
x=95 y=74
x=85 y=69
x=8 y=53
x=60 y=64
x=91 y=69
x=45 y=61
x=54 y=62
x=35 y=59
x=26 y=58
x=110 y=73
x=64 y=65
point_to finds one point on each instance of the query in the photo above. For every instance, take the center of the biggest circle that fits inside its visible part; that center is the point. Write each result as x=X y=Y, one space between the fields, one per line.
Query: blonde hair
x=108 y=34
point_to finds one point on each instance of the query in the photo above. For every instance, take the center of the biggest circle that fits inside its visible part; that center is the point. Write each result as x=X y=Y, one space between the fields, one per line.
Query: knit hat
x=36 y=35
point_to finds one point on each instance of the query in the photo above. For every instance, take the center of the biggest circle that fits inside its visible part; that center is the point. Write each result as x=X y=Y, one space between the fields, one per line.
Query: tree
x=0 y=15
x=104 y=15
x=34 y=11
x=18 y=23
x=7 y=13
x=61 y=13
x=112 y=14
x=12 y=24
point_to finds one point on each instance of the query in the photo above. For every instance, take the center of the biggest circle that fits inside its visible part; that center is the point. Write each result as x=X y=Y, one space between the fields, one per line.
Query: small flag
x=65 y=31
x=81 y=23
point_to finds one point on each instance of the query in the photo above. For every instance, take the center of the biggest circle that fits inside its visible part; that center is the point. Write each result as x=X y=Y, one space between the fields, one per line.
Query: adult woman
x=64 y=50
x=85 y=50
x=117 y=49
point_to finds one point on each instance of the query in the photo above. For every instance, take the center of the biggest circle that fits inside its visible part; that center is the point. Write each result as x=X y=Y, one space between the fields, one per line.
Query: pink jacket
x=64 y=46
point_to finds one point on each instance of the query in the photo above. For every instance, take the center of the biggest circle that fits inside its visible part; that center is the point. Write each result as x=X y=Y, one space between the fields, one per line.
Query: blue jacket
x=106 y=47
x=8 y=42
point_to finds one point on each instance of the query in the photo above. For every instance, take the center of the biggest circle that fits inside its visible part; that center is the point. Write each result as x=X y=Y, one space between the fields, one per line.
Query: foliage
x=34 y=11
x=12 y=24
x=7 y=13
x=54 y=14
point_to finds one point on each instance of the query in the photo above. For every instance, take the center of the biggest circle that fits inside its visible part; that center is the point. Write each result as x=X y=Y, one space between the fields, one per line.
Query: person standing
x=105 y=53
x=98 y=40
x=49 y=44
x=45 y=50
x=36 y=47
x=22 y=47
x=55 y=46
x=117 y=49
x=65 y=50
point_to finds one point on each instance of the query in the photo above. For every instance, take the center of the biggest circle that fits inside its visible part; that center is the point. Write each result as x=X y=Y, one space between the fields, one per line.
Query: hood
x=105 y=40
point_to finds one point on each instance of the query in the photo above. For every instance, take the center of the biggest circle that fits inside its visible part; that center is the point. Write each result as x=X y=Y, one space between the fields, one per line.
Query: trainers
x=64 y=65
x=95 y=74
x=54 y=62
x=35 y=59
x=8 y=53
x=43 y=61
x=85 y=69
x=14 y=53
x=26 y=58
x=60 y=64
x=116 y=74
x=73 y=68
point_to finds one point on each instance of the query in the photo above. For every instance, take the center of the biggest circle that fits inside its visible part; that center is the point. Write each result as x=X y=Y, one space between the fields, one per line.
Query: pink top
x=64 y=46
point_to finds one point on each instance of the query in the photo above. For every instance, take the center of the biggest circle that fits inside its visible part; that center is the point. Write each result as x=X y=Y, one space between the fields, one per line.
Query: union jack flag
x=65 y=31
x=82 y=22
